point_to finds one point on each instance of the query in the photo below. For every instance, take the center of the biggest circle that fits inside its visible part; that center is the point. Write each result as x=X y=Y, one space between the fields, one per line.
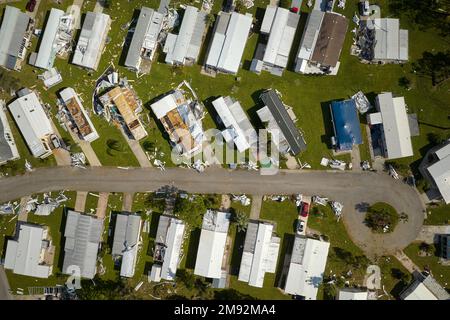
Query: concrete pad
x=102 y=205
x=80 y=201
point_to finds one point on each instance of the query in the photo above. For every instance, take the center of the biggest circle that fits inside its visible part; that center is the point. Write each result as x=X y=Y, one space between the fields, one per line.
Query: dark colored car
x=305 y=209
x=31 y=5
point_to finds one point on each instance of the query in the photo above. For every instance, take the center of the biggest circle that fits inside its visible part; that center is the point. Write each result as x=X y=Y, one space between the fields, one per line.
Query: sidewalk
x=406 y=262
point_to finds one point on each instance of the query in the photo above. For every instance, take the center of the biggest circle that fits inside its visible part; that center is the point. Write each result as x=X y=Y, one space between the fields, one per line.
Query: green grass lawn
x=439 y=215
x=440 y=273
x=341 y=245
x=308 y=95
x=55 y=221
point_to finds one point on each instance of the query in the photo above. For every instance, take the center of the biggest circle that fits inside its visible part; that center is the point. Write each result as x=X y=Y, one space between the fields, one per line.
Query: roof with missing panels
x=186 y=45
x=91 y=41
x=330 y=39
x=126 y=232
x=290 y=131
x=145 y=34
x=12 y=32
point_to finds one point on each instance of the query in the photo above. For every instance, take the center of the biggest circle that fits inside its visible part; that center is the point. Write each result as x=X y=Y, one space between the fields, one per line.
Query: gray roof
x=83 y=235
x=126 y=232
x=391 y=43
x=189 y=39
x=284 y=121
x=161 y=232
x=250 y=236
x=148 y=26
x=12 y=32
x=8 y=149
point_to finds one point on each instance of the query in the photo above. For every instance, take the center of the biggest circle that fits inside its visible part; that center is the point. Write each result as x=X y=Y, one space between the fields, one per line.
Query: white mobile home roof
x=12 y=32
x=308 y=260
x=32 y=121
x=186 y=45
x=83 y=235
x=440 y=172
x=352 y=294
x=126 y=232
x=23 y=254
x=282 y=33
x=166 y=104
x=173 y=242
x=238 y=128
x=397 y=135
x=47 y=53
x=260 y=253
x=90 y=44
x=391 y=43
x=211 y=248
x=228 y=43
x=145 y=35
x=8 y=148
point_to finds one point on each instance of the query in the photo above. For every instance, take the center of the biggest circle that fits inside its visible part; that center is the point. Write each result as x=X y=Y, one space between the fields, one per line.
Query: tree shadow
x=286 y=247
x=328 y=123
x=236 y=256
x=191 y=256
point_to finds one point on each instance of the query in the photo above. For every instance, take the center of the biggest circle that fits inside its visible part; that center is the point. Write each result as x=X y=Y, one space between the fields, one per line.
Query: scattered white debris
x=320 y=200
x=337 y=208
x=341 y=4
x=337 y=164
x=278 y=198
x=139 y=285
x=393 y=173
x=199 y=165
x=298 y=200
x=78 y=160
x=28 y=166
x=161 y=165
x=324 y=162
x=365 y=165
x=362 y=103
x=243 y=199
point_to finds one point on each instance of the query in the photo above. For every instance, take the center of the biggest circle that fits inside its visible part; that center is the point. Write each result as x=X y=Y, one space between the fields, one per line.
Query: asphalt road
x=353 y=189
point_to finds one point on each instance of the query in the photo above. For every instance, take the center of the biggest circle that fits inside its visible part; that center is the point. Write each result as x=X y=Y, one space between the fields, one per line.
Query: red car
x=294 y=9
x=305 y=209
x=30 y=5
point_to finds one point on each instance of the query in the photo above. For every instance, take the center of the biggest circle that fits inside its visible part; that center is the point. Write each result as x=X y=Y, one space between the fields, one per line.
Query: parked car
x=55 y=141
x=300 y=226
x=364 y=8
x=31 y=5
x=304 y=211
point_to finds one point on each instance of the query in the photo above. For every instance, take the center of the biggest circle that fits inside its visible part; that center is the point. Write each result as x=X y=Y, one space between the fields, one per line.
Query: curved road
x=350 y=188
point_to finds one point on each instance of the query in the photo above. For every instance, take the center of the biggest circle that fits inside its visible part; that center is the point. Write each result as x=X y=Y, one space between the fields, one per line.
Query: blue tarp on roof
x=346 y=124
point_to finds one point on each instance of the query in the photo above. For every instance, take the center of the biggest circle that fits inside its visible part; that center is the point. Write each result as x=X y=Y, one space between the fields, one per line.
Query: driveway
x=353 y=189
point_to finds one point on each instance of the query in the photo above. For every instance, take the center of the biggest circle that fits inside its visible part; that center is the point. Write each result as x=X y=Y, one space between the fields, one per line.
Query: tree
x=425 y=13
x=437 y=138
x=426 y=248
x=241 y=220
x=381 y=216
x=434 y=65
x=104 y=290
x=404 y=82
x=190 y=210
x=239 y=6
x=210 y=19
x=157 y=204
x=148 y=146
x=284 y=4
